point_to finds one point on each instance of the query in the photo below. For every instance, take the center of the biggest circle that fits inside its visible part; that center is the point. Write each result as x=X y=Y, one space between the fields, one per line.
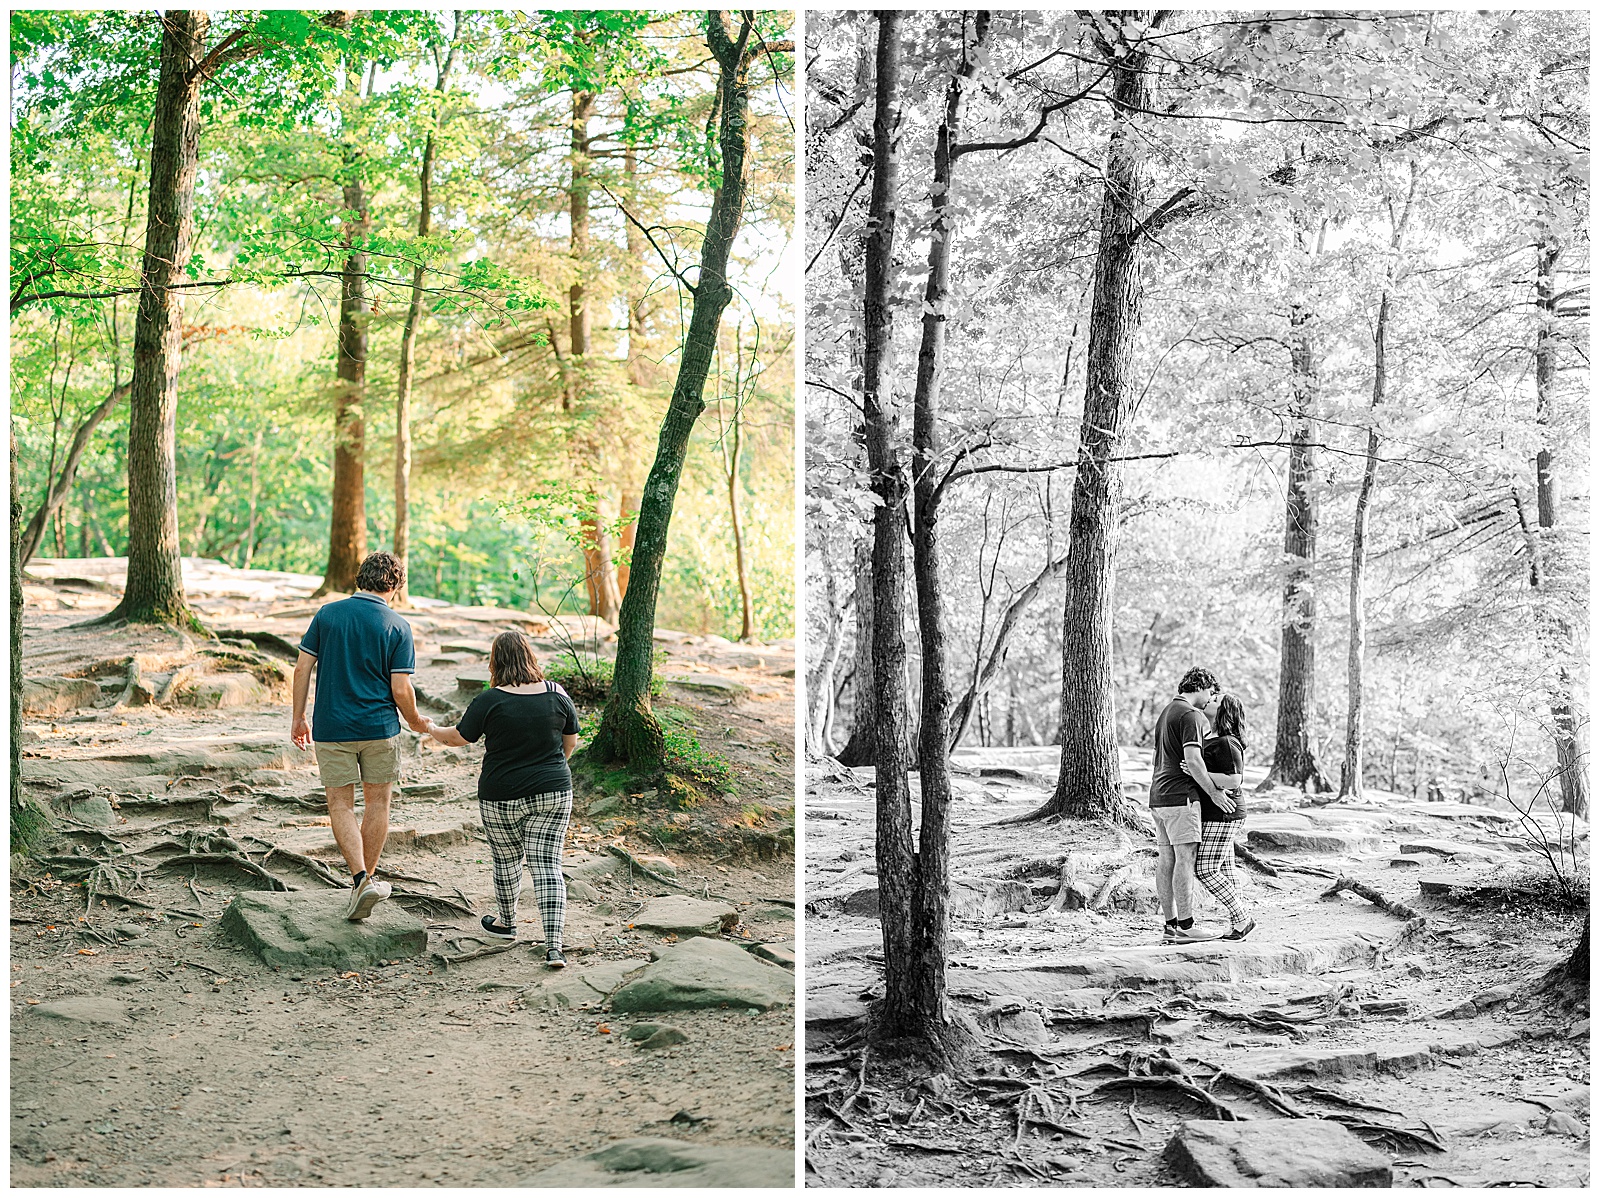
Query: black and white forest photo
x=1196 y=415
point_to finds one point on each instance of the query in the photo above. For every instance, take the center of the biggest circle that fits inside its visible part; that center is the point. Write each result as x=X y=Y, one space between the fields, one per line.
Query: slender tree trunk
x=1090 y=782
x=747 y=614
x=926 y=1007
x=861 y=748
x=636 y=284
x=1350 y=771
x=347 y=539
x=907 y=1009
x=57 y=493
x=1293 y=761
x=989 y=668
x=600 y=580
x=21 y=827
x=628 y=730
x=820 y=689
x=154 y=590
x=628 y=514
x=255 y=496
x=1555 y=627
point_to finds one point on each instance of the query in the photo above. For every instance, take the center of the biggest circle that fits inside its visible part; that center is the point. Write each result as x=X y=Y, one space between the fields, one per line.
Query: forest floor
x=1098 y=1044
x=149 y=1047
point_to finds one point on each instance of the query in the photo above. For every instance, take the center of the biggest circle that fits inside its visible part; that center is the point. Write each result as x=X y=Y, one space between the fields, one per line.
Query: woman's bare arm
x=569 y=744
x=447 y=736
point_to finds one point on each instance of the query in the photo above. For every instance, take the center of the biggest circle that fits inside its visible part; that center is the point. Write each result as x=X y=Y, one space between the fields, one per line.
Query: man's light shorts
x=374 y=762
x=1176 y=825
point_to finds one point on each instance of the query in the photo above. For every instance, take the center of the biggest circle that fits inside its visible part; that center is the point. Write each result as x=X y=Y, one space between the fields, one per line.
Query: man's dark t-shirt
x=522 y=741
x=1179 y=724
x=358 y=642
x=1223 y=755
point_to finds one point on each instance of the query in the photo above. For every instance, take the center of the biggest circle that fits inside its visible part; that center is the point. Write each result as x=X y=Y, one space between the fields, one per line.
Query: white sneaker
x=365 y=897
x=1195 y=933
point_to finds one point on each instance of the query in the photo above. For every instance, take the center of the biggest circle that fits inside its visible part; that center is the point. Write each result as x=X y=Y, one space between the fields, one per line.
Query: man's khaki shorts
x=1177 y=825
x=346 y=762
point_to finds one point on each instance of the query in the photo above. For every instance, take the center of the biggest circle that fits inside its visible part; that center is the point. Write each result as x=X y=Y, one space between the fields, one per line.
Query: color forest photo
x=402 y=598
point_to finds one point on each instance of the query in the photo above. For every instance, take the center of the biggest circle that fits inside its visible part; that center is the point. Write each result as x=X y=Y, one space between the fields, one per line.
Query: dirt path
x=150 y=1048
x=1093 y=1028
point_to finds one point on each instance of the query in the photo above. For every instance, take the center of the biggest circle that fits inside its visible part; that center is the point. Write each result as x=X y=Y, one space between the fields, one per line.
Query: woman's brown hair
x=511 y=661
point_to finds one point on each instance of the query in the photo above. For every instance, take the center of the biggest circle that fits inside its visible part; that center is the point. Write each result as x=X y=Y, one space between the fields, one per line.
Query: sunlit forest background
x=535 y=132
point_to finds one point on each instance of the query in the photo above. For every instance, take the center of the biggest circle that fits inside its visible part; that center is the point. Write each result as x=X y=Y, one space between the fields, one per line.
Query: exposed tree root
x=487 y=950
x=1398 y=910
x=230 y=861
x=1253 y=861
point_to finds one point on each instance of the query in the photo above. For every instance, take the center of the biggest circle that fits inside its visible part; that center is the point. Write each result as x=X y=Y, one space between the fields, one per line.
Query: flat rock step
x=661 y=1163
x=1209 y=961
x=712 y=684
x=1280 y=1153
x=684 y=916
x=1312 y=841
x=1358 y=1062
x=701 y=973
x=299 y=930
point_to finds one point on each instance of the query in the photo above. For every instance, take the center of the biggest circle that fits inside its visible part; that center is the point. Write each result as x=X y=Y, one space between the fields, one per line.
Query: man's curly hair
x=1198 y=680
x=380 y=572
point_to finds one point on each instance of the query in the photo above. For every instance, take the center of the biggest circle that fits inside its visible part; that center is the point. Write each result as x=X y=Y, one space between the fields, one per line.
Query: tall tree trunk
x=926 y=1010
x=747 y=614
x=1555 y=627
x=154 y=590
x=1090 y=782
x=820 y=688
x=1350 y=771
x=628 y=506
x=600 y=579
x=347 y=534
x=861 y=748
x=22 y=825
x=907 y=1008
x=629 y=731
x=408 y=344
x=57 y=493
x=1293 y=761
x=255 y=497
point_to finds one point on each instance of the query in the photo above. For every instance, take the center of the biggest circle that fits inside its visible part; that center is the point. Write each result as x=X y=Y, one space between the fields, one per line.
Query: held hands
x=423 y=726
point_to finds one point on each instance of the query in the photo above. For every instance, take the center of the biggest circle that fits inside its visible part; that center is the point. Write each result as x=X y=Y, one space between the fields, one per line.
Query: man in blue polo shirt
x=364 y=659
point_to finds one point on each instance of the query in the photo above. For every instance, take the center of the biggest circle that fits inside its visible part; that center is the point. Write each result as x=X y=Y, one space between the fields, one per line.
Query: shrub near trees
x=1260 y=339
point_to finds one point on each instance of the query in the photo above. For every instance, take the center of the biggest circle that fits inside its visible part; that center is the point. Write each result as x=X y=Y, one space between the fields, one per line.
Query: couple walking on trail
x=1197 y=800
x=363 y=656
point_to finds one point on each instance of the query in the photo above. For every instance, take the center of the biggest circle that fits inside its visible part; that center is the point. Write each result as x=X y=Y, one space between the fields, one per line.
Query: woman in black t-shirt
x=1223 y=752
x=530 y=728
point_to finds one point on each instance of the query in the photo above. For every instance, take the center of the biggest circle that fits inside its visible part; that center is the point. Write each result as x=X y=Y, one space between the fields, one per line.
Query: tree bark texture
x=1556 y=631
x=18 y=810
x=747 y=614
x=154 y=590
x=861 y=748
x=347 y=532
x=629 y=731
x=905 y=1011
x=599 y=573
x=408 y=347
x=1293 y=761
x=930 y=900
x=1350 y=780
x=1090 y=781
x=57 y=492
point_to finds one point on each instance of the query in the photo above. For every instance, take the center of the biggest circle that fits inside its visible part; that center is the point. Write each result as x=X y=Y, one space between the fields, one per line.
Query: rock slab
x=684 y=915
x=297 y=930
x=51 y=696
x=702 y=973
x=1280 y=1153
x=84 y=1008
x=660 y=1163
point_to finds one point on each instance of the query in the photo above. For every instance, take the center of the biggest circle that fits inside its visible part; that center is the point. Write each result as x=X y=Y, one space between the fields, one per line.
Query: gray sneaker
x=1194 y=933
x=365 y=897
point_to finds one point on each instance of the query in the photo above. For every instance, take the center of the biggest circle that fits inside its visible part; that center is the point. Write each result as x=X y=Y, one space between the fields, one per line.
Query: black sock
x=355 y=878
x=1171 y=923
x=1185 y=924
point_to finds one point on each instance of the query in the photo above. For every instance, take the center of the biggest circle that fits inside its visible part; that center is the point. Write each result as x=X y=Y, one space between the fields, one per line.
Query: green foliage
x=311 y=106
x=589 y=681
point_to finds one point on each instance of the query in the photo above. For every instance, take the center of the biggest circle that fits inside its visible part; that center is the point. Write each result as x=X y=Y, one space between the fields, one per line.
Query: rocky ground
x=156 y=1041
x=1341 y=1043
